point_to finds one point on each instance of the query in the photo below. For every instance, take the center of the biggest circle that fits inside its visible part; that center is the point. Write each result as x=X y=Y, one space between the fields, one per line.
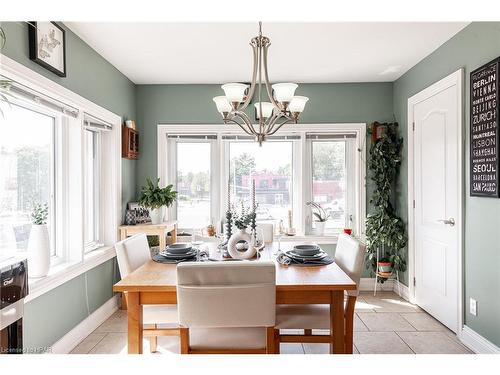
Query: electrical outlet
x=473 y=306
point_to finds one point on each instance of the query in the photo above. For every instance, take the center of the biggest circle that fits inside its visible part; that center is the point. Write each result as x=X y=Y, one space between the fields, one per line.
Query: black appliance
x=13 y=289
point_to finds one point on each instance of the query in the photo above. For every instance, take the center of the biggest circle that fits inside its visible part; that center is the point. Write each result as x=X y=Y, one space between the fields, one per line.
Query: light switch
x=473 y=306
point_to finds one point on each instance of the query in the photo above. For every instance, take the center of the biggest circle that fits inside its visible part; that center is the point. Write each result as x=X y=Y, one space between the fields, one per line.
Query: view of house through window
x=329 y=180
x=193 y=184
x=270 y=165
x=27 y=164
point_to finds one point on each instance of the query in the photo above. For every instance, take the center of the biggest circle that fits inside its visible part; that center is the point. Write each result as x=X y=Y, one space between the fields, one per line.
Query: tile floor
x=383 y=324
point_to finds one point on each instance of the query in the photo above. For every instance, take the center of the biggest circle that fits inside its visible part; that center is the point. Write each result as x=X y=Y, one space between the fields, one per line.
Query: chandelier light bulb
x=267 y=110
x=235 y=92
x=223 y=105
x=284 y=92
x=298 y=103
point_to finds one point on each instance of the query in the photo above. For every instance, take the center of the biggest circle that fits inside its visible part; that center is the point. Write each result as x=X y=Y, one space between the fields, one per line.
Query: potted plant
x=155 y=199
x=320 y=215
x=385 y=230
x=38 y=244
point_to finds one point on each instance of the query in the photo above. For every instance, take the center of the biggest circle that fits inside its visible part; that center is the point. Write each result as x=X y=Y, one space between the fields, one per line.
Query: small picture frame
x=47 y=46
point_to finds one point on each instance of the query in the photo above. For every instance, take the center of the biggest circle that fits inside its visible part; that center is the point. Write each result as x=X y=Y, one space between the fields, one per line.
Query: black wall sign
x=484 y=131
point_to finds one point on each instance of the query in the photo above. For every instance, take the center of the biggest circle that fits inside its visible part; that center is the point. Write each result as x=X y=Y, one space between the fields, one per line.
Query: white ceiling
x=155 y=53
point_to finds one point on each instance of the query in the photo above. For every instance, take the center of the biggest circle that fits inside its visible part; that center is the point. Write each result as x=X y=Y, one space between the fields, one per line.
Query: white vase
x=241 y=235
x=156 y=215
x=320 y=227
x=38 y=251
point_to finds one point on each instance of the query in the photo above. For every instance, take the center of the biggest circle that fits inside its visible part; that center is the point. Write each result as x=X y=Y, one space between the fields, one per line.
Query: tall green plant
x=385 y=230
x=153 y=196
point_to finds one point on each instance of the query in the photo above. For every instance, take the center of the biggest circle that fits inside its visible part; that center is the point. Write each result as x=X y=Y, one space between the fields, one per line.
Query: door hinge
x=413 y=126
x=414 y=203
x=414 y=282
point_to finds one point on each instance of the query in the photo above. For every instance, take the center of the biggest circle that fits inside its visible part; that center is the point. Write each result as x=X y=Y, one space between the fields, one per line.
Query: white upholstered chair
x=226 y=307
x=132 y=253
x=349 y=256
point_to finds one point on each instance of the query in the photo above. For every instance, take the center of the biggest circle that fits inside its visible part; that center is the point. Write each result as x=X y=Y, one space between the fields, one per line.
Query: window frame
x=301 y=173
x=71 y=259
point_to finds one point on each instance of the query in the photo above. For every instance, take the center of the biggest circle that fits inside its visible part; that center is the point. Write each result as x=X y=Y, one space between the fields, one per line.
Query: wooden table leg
x=173 y=232
x=337 y=333
x=162 y=240
x=134 y=323
x=123 y=234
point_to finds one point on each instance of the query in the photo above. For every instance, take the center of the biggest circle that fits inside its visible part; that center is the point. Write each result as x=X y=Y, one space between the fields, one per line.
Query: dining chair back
x=227 y=301
x=131 y=253
x=350 y=256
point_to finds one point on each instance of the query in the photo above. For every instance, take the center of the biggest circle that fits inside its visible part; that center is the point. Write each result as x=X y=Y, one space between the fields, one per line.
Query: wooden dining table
x=156 y=283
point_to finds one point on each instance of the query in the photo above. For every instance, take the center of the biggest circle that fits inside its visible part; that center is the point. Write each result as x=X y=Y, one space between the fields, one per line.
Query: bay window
x=320 y=163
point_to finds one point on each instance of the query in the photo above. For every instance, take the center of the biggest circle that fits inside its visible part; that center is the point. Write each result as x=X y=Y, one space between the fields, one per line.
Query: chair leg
x=276 y=341
x=307 y=332
x=349 y=323
x=270 y=341
x=153 y=340
x=184 y=340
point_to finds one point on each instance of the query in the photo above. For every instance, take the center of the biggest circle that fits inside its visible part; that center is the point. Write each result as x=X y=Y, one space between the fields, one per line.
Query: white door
x=437 y=195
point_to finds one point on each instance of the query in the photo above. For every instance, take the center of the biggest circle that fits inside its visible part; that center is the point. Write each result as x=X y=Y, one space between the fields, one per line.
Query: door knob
x=450 y=222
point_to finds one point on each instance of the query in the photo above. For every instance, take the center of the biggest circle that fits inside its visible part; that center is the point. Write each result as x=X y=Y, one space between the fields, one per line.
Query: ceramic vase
x=320 y=227
x=39 y=251
x=156 y=215
x=241 y=235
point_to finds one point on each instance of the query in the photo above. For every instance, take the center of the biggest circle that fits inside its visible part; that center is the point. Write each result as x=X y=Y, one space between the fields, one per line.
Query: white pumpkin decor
x=38 y=244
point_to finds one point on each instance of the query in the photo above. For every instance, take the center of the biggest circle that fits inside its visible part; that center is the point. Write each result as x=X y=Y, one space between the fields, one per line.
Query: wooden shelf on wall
x=130 y=143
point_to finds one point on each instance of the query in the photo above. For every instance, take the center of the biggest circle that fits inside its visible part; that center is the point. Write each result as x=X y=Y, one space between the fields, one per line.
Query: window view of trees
x=329 y=180
x=270 y=167
x=26 y=148
x=193 y=184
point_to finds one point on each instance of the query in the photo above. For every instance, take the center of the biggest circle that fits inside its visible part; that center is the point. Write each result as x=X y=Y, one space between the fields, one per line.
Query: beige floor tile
x=390 y=303
x=385 y=322
x=380 y=343
x=423 y=322
x=112 y=343
x=289 y=348
x=166 y=345
x=432 y=343
x=359 y=326
x=88 y=343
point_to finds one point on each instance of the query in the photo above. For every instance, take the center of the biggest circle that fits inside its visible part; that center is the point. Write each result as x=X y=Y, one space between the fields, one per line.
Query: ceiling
x=162 y=53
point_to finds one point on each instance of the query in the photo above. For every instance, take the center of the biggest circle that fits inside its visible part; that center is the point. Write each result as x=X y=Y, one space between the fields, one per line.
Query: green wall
x=50 y=316
x=178 y=104
x=473 y=46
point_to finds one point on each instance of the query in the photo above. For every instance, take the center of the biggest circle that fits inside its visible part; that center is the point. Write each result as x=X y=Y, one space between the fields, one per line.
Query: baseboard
x=402 y=290
x=477 y=343
x=71 y=339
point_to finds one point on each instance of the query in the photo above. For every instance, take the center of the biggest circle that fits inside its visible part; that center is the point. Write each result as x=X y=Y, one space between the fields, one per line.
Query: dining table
x=155 y=283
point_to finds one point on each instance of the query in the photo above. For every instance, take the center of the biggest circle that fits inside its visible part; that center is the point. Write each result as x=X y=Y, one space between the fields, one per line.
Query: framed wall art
x=47 y=46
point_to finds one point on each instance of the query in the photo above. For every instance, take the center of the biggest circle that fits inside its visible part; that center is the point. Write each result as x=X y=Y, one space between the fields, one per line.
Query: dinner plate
x=169 y=255
x=316 y=256
x=179 y=248
x=307 y=249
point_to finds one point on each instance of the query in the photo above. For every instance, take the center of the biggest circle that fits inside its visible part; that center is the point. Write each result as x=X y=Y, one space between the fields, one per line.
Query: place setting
x=181 y=252
x=304 y=255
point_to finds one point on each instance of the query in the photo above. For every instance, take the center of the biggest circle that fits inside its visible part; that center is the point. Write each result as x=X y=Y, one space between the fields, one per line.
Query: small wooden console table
x=159 y=230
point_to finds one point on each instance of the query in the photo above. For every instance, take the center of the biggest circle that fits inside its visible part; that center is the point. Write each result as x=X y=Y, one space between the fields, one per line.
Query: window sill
x=64 y=272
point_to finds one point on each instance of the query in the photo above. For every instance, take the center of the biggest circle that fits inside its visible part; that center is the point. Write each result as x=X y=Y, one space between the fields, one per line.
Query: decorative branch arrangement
x=39 y=214
x=385 y=231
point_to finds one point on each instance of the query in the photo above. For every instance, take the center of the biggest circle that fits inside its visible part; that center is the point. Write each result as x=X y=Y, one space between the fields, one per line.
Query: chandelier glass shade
x=282 y=105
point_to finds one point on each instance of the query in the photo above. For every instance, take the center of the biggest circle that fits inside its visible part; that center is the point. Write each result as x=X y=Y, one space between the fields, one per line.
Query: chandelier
x=283 y=107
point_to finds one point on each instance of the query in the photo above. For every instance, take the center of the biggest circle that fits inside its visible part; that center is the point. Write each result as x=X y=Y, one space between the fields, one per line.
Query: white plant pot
x=232 y=249
x=38 y=251
x=156 y=215
x=320 y=227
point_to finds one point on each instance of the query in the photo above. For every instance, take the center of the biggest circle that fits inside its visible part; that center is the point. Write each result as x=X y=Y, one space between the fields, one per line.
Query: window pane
x=329 y=180
x=91 y=189
x=26 y=165
x=193 y=184
x=270 y=165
